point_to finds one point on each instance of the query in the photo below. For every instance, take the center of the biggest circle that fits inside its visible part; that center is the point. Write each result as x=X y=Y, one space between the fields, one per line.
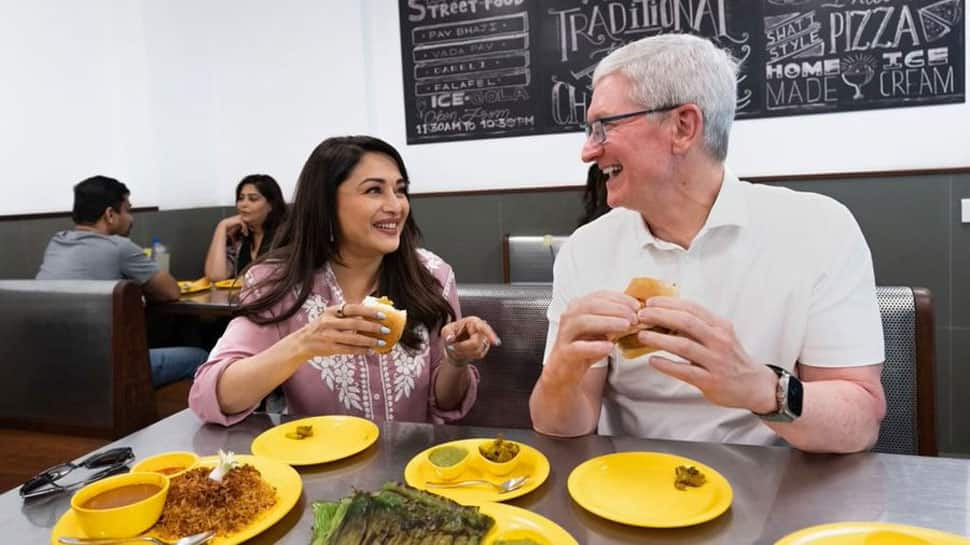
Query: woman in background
x=239 y=240
x=302 y=323
x=594 y=198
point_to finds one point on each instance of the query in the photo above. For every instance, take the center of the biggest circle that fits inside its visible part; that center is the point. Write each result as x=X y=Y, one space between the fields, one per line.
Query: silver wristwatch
x=788 y=393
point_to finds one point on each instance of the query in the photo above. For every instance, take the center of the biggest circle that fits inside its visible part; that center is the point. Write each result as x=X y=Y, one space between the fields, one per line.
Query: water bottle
x=160 y=254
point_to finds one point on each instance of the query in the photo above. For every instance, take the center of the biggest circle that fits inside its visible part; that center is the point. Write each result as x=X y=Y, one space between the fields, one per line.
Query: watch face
x=795 y=396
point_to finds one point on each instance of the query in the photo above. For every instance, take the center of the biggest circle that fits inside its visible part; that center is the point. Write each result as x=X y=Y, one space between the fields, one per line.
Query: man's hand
x=567 y=397
x=585 y=330
x=717 y=364
x=161 y=288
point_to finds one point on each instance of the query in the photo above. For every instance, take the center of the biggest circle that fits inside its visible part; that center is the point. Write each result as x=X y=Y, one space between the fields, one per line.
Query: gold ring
x=340 y=311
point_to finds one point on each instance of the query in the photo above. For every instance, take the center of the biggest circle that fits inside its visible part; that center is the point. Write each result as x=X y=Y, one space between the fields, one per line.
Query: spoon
x=505 y=486
x=197 y=539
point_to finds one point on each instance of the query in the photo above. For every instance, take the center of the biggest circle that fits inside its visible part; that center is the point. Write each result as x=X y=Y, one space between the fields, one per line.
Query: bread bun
x=395 y=321
x=642 y=288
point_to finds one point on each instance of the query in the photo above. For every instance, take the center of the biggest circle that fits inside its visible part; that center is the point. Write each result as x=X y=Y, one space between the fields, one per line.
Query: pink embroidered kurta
x=379 y=387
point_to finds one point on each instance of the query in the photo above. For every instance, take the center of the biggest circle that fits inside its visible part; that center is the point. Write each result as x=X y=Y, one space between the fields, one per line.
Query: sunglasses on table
x=107 y=463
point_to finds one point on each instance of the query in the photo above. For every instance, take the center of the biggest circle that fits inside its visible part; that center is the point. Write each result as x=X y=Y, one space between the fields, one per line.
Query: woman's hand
x=341 y=329
x=468 y=339
x=235 y=228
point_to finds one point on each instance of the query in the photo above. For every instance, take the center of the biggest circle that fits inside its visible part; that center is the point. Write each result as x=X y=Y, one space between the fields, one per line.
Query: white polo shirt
x=790 y=270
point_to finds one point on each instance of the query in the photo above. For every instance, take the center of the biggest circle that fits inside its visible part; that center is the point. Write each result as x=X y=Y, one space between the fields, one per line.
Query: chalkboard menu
x=494 y=68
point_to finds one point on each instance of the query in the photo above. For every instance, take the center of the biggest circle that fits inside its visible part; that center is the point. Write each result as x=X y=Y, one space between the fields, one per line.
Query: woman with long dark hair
x=303 y=324
x=594 y=197
x=239 y=239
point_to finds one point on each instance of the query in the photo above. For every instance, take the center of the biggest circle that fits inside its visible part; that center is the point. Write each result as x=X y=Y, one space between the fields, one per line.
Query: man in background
x=98 y=248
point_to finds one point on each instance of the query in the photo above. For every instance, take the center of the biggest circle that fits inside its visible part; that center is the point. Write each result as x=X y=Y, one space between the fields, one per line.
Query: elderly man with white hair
x=775 y=336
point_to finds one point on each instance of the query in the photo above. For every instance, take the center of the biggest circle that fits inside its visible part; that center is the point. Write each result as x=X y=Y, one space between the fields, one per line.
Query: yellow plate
x=637 y=488
x=533 y=463
x=193 y=286
x=870 y=533
x=229 y=283
x=334 y=437
x=288 y=485
x=517 y=523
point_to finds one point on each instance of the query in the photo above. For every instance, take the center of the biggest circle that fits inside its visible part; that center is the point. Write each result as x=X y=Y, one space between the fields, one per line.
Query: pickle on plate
x=302 y=432
x=688 y=476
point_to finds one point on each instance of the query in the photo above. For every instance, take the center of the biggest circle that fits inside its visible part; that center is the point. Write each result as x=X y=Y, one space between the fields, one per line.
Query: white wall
x=177 y=99
x=73 y=101
x=240 y=87
x=180 y=99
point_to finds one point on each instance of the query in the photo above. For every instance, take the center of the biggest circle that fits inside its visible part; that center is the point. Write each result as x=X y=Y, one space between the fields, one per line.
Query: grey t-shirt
x=84 y=255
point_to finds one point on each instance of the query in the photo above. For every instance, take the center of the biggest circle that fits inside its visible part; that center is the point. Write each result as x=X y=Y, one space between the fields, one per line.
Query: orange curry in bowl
x=169 y=464
x=121 y=496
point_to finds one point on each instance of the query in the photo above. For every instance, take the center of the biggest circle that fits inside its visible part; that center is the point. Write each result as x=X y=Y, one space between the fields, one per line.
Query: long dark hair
x=594 y=198
x=310 y=237
x=270 y=190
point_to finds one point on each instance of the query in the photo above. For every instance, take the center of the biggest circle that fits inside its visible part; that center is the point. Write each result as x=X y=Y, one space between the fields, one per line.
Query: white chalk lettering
x=917 y=82
x=800 y=92
x=599 y=23
x=568 y=104
x=917 y=58
x=865 y=30
x=791 y=70
x=421 y=9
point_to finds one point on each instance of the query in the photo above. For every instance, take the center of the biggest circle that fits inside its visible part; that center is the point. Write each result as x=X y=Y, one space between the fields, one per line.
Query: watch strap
x=788 y=387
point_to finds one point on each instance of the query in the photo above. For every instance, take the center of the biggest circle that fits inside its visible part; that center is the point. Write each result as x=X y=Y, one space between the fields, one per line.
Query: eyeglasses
x=597 y=129
x=110 y=462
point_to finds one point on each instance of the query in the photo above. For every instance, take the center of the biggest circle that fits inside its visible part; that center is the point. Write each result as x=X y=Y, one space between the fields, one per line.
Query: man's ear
x=109 y=215
x=688 y=127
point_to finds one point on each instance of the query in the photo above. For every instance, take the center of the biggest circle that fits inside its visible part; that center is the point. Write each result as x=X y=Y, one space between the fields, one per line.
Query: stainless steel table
x=776 y=490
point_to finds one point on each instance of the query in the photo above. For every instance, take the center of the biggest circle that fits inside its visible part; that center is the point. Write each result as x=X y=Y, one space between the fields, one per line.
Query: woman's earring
x=331 y=231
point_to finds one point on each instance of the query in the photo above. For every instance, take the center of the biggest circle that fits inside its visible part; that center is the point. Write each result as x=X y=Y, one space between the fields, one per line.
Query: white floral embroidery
x=399 y=371
x=385 y=380
x=431 y=261
x=339 y=374
x=407 y=368
x=314 y=306
x=345 y=375
x=365 y=390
